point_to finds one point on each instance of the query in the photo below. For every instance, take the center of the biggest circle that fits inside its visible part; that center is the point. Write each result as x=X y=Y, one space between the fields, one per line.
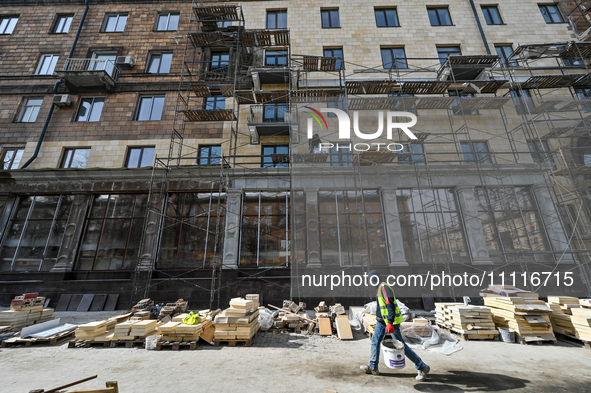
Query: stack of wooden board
x=585 y=303
x=130 y=330
x=25 y=317
x=569 y=318
x=565 y=303
x=581 y=320
x=473 y=322
x=523 y=312
x=239 y=322
x=178 y=331
x=96 y=331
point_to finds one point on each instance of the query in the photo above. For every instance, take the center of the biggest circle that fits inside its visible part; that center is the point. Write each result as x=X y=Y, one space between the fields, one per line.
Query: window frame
x=340 y=155
x=478 y=157
x=437 y=9
x=117 y=15
x=275 y=14
x=220 y=67
x=550 y=19
x=58 y=21
x=16 y=151
x=385 y=10
x=151 y=58
x=139 y=107
x=85 y=99
x=271 y=164
x=449 y=53
x=408 y=156
x=281 y=53
x=210 y=158
x=25 y=106
x=141 y=156
x=329 y=12
x=504 y=57
x=216 y=99
x=340 y=64
x=168 y=16
x=395 y=60
x=541 y=152
x=42 y=60
x=488 y=15
x=8 y=18
x=73 y=150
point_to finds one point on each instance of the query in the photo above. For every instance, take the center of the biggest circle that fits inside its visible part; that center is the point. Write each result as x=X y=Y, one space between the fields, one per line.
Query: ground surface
x=294 y=363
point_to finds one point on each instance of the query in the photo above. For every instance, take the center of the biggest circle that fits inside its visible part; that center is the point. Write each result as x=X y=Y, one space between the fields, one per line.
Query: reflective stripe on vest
x=382 y=303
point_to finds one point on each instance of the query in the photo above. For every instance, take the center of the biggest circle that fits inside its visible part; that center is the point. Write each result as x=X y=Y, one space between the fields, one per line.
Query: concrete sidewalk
x=292 y=363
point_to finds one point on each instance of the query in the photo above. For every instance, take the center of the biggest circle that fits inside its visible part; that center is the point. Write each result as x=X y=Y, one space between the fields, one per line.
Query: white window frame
x=6 y=24
x=139 y=107
x=89 y=115
x=167 y=15
x=61 y=23
x=159 y=55
x=117 y=16
x=31 y=116
x=53 y=59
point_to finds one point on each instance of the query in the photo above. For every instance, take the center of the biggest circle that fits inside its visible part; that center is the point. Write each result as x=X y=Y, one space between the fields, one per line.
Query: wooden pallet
x=176 y=345
x=138 y=342
x=88 y=344
x=232 y=343
x=53 y=340
x=469 y=337
x=528 y=339
x=572 y=339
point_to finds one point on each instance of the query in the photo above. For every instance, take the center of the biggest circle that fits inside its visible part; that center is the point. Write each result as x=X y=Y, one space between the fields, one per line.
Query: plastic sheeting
x=430 y=338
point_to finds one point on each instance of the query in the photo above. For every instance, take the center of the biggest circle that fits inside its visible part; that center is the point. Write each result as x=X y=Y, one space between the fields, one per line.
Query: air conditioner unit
x=125 y=61
x=62 y=100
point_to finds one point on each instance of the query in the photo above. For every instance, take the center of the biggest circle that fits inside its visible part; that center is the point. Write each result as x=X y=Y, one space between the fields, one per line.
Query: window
x=115 y=23
x=274 y=113
x=476 y=152
x=219 y=61
x=394 y=58
x=540 y=152
x=34 y=235
x=7 y=24
x=412 y=153
x=439 y=16
x=330 y=18
x=340 y=155
x=214 y=103
x=75 y=158
x=275 y=58
x=90 y=109
x=30 y=110
x=47 y=65
x=150 y=108
x=445 y=51
x=275 y=156
x=386 y=17
x=457 y=105
x=335 y=52
x=139 y=157
x=492 y=15
x=104 y=61
x=340 y=104
x=276 y=19
x=11 y=157
x=210 y=155
x=167 y=22
x=523 y=101
x=189 y=230
x=112 y=232
x=504 y=51
x=551 y=13
x=264 y=231
x=62 y=24
x=159 y=63
x=585 y=94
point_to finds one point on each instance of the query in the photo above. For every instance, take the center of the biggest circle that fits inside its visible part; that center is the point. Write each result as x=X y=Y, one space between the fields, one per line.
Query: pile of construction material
x=177 y=330
x=26 y=310
x=292 y=317
x=135 y=329
x=100 y=331
x=470 y=322
x=170 y=310
x=334 y=318
x=570 y=317
x=239 y=322
x=521 y=311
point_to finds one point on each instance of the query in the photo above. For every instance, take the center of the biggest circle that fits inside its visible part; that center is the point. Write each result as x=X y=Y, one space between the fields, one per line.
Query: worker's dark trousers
x=376 y=340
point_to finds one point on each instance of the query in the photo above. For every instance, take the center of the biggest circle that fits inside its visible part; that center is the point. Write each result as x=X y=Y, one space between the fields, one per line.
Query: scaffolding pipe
x=480 y=27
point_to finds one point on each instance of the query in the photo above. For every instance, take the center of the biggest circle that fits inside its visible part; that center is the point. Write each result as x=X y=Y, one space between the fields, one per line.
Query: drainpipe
x=40 y=141
x=480 y=27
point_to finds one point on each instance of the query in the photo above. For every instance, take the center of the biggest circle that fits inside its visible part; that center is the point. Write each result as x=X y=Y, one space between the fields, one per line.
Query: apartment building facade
x=162 y=148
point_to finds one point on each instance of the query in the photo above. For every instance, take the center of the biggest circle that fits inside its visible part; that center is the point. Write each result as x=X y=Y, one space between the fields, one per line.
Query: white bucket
x=393 y=352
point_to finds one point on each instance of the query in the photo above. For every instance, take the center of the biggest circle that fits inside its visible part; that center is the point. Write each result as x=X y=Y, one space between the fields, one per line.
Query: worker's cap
x=374 y=273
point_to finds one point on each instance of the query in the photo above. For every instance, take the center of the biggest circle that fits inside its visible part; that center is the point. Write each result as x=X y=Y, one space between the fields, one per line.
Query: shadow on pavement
x=468 y=381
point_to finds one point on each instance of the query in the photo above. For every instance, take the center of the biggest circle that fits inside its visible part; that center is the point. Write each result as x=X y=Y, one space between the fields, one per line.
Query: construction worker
x=388 y=320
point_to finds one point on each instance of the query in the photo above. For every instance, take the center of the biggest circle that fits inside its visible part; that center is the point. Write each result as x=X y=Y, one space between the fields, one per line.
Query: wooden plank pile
x=335 y=319
x=168 y=311
x=521 y=311
x=239 y=323
x=570 y=317
x=470 y=322
x=179 y=331
x=292 y=317
x=96 y=331
x=26 y=310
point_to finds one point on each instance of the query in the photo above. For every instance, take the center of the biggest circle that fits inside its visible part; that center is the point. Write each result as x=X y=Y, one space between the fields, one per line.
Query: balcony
x=270 y=120
x=86 y=74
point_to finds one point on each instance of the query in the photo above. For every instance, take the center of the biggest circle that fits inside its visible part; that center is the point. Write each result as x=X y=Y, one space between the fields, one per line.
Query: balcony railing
x=89 y=65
